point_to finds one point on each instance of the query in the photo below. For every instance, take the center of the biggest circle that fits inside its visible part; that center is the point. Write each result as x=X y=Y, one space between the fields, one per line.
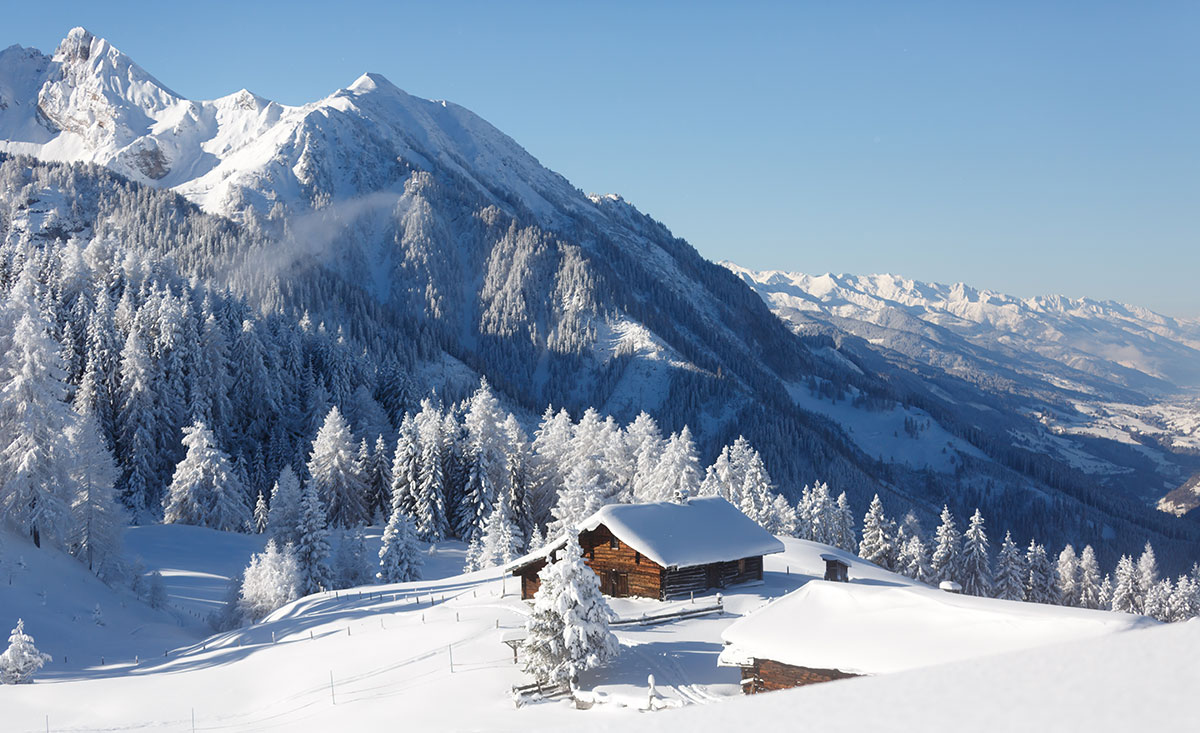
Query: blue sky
x=1025 y=147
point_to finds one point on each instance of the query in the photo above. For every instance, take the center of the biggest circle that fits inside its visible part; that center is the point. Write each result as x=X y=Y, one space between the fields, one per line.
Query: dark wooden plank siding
x=765 y=675
x=700 y=578
x=622 y=569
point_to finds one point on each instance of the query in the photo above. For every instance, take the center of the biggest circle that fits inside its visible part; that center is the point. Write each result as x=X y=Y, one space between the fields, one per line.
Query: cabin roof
x=697 y=532
x=876 y=629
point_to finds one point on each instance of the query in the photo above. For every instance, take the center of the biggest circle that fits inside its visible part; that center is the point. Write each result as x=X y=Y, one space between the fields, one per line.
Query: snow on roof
x=537 y=555
x=877 y=629
x=697 y=532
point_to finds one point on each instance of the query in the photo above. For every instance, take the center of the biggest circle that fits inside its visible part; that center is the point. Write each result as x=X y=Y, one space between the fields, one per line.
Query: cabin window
x=592 y=552
x=637 y=558
x=613 y=543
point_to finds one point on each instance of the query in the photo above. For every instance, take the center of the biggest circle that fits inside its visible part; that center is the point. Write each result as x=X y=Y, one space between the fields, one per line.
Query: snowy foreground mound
x=430 y=654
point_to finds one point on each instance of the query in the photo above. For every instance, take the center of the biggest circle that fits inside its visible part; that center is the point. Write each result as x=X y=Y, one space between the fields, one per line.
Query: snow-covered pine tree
x=1158 y=600
x=976 y=563
x=270 y=581
x=97 y=521
x=1184 y=602
x=1066 y=577
x=914 y=560
x=486 y=455
x=406 y=467
x=677 y=476
x=429 y=497
x=261 y=514
x=822 y=515
x=1089 y=580
x=876 y=545
x=379 y=477
x=580 y=497
x=568 y=628
x=21 y=660
x=283 y=517
x=333 y=469
x=204 y=490
x=947 y=551
x=845 y=524
x=1011 y=571
x=312 y=542
x=1039 y=583
x=399 y=557
x=137 y=425
x=1146 y=576
x=517 y=464
x=500 y=541
x=646 y=443
x=156 y=591
x=35 y=482
x=757 y=492
x=1124 y=587
x=550 y=443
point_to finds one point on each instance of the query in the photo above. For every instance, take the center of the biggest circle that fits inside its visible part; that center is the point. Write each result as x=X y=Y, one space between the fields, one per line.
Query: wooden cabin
x=836 y=569
x=662 y=550
x=834 y=630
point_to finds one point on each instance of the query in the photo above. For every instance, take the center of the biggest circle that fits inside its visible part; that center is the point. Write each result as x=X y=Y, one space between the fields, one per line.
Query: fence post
x=450 y=649
x=331 y=696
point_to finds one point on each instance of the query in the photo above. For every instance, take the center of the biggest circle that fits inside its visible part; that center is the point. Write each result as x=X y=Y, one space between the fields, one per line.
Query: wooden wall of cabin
x=607 y=555
x=701 y=578
x=765 y=675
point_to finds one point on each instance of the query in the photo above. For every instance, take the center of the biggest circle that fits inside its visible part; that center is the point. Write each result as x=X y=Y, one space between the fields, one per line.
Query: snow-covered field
x=426 y=654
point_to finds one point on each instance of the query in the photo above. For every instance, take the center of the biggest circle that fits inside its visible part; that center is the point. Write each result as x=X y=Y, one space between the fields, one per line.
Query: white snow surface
x=700 y=531
x=863 y=628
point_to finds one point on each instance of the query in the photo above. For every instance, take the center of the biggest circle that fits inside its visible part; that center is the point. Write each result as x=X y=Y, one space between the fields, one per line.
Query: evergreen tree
x=312 y=542
x=1039 y=583
x=550 y=444
x=1158 y=600
x=1066 y=576
x=500 y=541
x=333 y=468
x=947 y=552
x=22 y=659
x=283 y=517
x=646 y=444
x=429 y=498
x=137 y=427
x=97 y=521
x=379 y=478
x=1146 y=577
x=678 y=474
x=204 y=490
x=406 y=467
x=1125 y=584
x=261 y=514
x=1184 y=602
x=1011 y=571
x=1089 y=579
x=350 y=565
x=976 y=564
x=845 y=524
x=270 y=581
x=876 y=545
x=399 y=557
x=568 y=628
x=914 y=560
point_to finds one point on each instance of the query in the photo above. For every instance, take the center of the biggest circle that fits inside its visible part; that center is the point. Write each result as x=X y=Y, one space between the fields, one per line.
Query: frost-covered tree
x=486 y=455
x=1066 y=577
x=580 y=497
x=270 y=581
x=312 y=542
x=333 y=468
x=976 y=571
x=137 y=425
x=261 y=514
x=205 y=491
x=21 y=660
x=876 y=544
x=429 y=496
x=947 y=551
x=568 y=628
x=551 y=441
x=35 y=454
x=1124 y=590
x=677 y=476
x=283 y=517
x=406 y=467
x=914 y=560
x=97 y=520
x=1146 y=576
x=379 y=481
x=501 y=540
x=646 y=444
x=1039 y=582
x=399 y=557
x=1184 y=602
x=1089 y=580
x=1011 y=571
x=845 y=524
x=1158 y=600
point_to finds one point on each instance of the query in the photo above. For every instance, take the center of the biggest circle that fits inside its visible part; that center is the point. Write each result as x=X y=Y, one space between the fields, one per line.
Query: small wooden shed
x=662 y=550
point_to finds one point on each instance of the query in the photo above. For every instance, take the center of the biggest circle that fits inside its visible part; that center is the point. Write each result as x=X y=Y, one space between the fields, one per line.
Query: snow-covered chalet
x=832 y=630
x=662 y=550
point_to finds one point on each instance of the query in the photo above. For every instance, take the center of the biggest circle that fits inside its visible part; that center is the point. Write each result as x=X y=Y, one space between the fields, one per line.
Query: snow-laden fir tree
x=379 y=479
x=1039 y=581
x=333 y=468
x=1089 y=594
x=585 y=484
x=156 y=590
x=351 y=566
x=914 y=560
x=781 y=517
x=137 y=426
x=406 y=467
x=283 y=517
x=1066 y=577
x=1158 y=599
x=1011 y=571
x=500 y=542
x=820 y=516
x=845 y=524
x=947 y=550
x=205 y=491
x=678 y=474
x=758 y=492
x=876 y=544
x=21 y=660
x=1106 y=592
x=1124 y=587
x=1184 y=602
x=486 y=454
x=1146 y=576
x=35 y=483
x=97 y=520
x=399 y=557
x=312 y=542
x=517 y=465
x=568 y=628
x=646 y=444
x=976 y=571
x=547 y=470
x=429 y=494
x=261 y=514
x=270 y=581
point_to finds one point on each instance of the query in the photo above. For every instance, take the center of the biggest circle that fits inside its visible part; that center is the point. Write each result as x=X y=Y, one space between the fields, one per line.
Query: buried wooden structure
x=662 y=550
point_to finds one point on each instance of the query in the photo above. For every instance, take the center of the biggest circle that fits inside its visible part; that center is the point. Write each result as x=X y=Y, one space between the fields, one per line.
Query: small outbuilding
x=836 y=569
x=662 y=550
x=828 y=631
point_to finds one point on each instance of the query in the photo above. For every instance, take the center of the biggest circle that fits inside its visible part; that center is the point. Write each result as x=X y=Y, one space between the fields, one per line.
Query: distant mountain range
x=413 y=224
